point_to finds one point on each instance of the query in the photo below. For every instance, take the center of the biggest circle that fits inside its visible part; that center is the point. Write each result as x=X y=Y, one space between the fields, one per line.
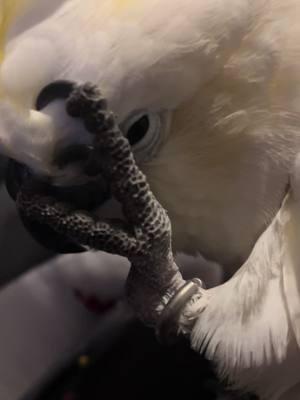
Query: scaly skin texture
x=145 y=235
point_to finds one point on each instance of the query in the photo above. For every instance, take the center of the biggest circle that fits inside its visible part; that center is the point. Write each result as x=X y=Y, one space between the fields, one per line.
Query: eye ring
x=143 y=130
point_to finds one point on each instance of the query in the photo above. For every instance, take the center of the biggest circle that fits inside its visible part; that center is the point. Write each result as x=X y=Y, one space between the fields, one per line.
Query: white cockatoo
x=207 y=93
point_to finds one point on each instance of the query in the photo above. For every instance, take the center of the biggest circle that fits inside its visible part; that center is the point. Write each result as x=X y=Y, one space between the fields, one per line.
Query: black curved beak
x=87 y=196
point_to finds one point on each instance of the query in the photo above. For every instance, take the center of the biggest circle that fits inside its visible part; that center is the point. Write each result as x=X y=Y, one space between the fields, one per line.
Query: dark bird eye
x=138 y=130
x=143 y=131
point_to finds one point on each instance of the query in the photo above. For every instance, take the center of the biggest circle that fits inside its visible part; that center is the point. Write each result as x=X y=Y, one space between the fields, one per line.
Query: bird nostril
x=54 y=91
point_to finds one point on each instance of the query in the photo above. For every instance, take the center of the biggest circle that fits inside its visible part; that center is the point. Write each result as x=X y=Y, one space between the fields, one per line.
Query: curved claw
x=55 y=90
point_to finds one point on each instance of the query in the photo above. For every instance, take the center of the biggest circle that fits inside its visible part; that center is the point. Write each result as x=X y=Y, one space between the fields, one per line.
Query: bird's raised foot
x=147 y=225
x=144 y=236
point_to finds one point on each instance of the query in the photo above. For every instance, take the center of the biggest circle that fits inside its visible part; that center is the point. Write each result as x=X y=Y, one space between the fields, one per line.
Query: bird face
x=35 y=128
x=140 y=63
x=144 y=131
x=201 y=179
x=205 y=135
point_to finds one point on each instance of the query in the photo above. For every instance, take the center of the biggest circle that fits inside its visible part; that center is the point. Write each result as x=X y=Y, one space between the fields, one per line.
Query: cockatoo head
x=165 y=74
x=207 y=93
x=144 y=68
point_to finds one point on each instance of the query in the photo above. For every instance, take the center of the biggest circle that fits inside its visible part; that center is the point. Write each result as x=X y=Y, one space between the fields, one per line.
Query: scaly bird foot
x=145 y=235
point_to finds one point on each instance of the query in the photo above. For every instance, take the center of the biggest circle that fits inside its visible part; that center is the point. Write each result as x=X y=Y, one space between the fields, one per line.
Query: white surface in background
x=40 y=323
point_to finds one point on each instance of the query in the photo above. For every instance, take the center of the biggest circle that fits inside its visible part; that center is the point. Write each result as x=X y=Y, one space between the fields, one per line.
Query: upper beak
x=87 y=196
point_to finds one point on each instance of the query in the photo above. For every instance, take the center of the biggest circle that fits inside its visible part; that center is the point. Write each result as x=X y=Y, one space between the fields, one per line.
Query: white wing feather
x=250 y=326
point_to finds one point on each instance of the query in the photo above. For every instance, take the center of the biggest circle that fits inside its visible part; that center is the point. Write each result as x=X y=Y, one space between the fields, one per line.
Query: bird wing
x=252 y=322
x=291 y=269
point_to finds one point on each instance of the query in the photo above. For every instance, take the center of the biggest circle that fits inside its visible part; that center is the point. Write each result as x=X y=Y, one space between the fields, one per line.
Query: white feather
x=156 y=66
x=250 y=325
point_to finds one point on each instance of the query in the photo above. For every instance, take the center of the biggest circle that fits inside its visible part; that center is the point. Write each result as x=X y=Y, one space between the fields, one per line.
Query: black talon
x=55 y=90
